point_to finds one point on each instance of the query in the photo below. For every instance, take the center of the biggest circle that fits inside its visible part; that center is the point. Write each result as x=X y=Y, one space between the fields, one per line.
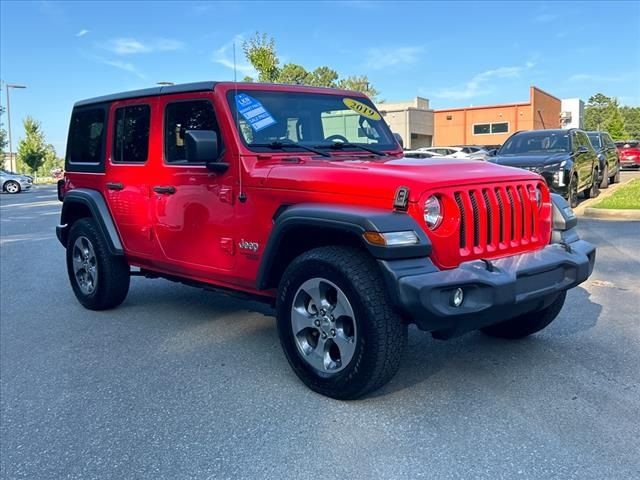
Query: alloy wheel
x=85 y=265
x=323 y=325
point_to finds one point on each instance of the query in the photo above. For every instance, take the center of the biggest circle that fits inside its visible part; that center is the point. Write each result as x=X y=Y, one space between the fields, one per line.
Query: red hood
x=381 y=178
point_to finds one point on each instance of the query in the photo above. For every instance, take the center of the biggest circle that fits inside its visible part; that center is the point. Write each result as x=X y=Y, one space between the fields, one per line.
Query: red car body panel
x=630 y=155
x=194 y=233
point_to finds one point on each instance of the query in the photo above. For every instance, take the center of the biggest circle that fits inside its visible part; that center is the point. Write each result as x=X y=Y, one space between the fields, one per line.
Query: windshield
x=595 y=139
x=310 y=119
x=537 y=142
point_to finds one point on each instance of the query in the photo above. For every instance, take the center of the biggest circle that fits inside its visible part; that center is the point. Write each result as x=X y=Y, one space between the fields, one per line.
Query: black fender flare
x=94 y=201
x=354 y=220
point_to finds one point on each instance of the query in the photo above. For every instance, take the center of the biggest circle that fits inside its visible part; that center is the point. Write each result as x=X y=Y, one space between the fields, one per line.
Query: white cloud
x=379 y=58
x=125 y=66
x=587 y=77
x=546 y=17
x=478 y=85
x=130 y=46
x=82 y=33
x=224 y=57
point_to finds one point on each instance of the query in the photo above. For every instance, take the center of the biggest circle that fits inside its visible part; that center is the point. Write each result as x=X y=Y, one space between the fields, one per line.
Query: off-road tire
x=604 y=183
x=12 y=187
x=527 y=324
x=382 y=334
x=113 y=275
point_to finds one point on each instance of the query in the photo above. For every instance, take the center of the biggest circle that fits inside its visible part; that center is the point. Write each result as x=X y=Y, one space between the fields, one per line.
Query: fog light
x=457 y=297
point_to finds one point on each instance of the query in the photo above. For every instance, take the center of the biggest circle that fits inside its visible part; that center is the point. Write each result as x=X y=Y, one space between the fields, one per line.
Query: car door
x=583 y=161
x=127 y=189
x=192 y=206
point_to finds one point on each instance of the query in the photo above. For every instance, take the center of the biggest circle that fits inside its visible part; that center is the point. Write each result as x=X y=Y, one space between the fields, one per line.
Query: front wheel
x=336 y=324
x=573 y=191
x=529 y=323
x=99 y=280
x=12 y=187
x=592 y=192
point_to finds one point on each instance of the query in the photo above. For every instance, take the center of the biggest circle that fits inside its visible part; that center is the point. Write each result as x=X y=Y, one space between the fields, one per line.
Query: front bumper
x=506 y=288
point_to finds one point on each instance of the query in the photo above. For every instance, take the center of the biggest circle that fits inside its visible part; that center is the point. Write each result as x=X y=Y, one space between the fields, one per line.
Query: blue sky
x=454 y=53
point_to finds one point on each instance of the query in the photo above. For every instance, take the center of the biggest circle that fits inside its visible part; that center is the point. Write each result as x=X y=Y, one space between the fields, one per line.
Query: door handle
x=166 y=190
x=115 y=186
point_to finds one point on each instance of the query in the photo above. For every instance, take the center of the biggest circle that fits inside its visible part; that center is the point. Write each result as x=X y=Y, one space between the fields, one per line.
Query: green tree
x=260 y=52
x=631 y=116
x=614 y=124
x=598 y=109
x=32 y=149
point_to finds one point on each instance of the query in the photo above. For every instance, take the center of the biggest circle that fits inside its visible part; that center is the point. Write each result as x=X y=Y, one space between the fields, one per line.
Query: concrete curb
x=585 y=205
x=612 y=214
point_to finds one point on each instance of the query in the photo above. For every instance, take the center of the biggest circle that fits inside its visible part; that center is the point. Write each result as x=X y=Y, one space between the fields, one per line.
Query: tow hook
x=489 y=266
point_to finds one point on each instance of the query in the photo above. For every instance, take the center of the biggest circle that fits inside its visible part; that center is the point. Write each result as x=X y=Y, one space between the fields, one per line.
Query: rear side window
x=183 y=116
x=131 y=134
x=86 y=138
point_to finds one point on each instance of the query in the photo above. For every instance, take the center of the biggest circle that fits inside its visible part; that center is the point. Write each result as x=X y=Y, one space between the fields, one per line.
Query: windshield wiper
x=341 y=145
x=281 y=145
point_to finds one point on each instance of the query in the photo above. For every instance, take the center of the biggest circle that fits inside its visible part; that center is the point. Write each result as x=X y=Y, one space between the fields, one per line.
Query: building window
x=449 y=117
x=489 y=128
x=131 y=134
x=502 y=127
x=482 y=129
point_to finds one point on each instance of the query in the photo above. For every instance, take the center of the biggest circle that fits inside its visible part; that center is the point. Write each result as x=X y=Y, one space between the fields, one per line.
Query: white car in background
x=14 y=182
x=469 y=152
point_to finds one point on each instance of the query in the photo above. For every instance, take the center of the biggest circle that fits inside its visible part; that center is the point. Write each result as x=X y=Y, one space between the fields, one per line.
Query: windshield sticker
x=362 y=109
x=253 y=112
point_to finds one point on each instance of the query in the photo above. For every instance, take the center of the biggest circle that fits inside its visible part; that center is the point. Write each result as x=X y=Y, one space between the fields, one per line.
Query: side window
x=182 y=116
x=86 y=137
x=585 y=140
x=131 y=134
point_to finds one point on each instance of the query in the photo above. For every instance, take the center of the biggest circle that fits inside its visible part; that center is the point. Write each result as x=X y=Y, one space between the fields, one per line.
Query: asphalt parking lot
x=179 y=383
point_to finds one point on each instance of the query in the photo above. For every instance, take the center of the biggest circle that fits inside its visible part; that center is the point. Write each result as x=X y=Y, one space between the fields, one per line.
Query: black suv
x=608 y=156
x=565 y=158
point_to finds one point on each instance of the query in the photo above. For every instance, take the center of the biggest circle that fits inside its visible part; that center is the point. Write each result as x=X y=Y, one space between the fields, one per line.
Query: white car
x=14 y=182
x=468 y=151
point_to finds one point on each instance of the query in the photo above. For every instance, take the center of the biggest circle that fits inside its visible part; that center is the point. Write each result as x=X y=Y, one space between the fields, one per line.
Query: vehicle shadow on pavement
x=484 y=358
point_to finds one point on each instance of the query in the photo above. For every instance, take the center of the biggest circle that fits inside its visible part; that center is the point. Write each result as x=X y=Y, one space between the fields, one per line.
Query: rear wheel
x=604 y=183
x=99 y=280
x=336 y=324
x=12 y=187
x=529 y=323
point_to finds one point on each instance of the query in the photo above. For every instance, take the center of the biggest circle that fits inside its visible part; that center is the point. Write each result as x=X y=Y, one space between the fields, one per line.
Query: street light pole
x=12 y=157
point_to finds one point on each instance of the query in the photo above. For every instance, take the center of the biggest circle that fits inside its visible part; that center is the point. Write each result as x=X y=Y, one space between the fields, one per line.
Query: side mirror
x=582 y=149
x=399 y=139
x=201 y=146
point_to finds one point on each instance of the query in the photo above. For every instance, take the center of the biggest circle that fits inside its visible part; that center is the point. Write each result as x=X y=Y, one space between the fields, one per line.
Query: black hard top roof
x=149 y=92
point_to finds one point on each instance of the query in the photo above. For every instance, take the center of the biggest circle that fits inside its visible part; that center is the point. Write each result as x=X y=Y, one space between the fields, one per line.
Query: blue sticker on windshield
x=253 y=112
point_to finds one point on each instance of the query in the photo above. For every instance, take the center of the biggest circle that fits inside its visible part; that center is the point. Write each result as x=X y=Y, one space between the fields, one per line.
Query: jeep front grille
x=497 y=218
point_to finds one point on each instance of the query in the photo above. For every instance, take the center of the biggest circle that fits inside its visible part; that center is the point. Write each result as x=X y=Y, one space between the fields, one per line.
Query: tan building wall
x=413 y=120
x=462 y=126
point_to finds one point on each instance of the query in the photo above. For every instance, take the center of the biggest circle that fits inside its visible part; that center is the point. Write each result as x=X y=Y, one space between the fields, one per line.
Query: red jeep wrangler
x=301 y=197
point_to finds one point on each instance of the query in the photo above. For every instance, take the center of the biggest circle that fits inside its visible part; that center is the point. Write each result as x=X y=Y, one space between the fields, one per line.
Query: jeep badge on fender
x=356 y=242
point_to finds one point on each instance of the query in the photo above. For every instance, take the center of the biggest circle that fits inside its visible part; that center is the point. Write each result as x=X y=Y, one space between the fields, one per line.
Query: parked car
x=301 y=197
x=14 y=182
x=469 y=152
x=629 y=153
x=418 y=154
x=608 y=156
x=565 y=159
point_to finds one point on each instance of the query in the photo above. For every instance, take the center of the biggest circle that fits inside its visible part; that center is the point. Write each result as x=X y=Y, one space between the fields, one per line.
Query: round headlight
x=433 y=212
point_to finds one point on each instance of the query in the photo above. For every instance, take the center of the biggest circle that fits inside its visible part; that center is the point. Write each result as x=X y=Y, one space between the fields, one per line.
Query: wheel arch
x=300 y=228
x=86 y=203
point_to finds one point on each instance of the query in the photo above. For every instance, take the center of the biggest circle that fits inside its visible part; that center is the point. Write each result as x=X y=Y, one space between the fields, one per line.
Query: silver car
x=14 y=182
